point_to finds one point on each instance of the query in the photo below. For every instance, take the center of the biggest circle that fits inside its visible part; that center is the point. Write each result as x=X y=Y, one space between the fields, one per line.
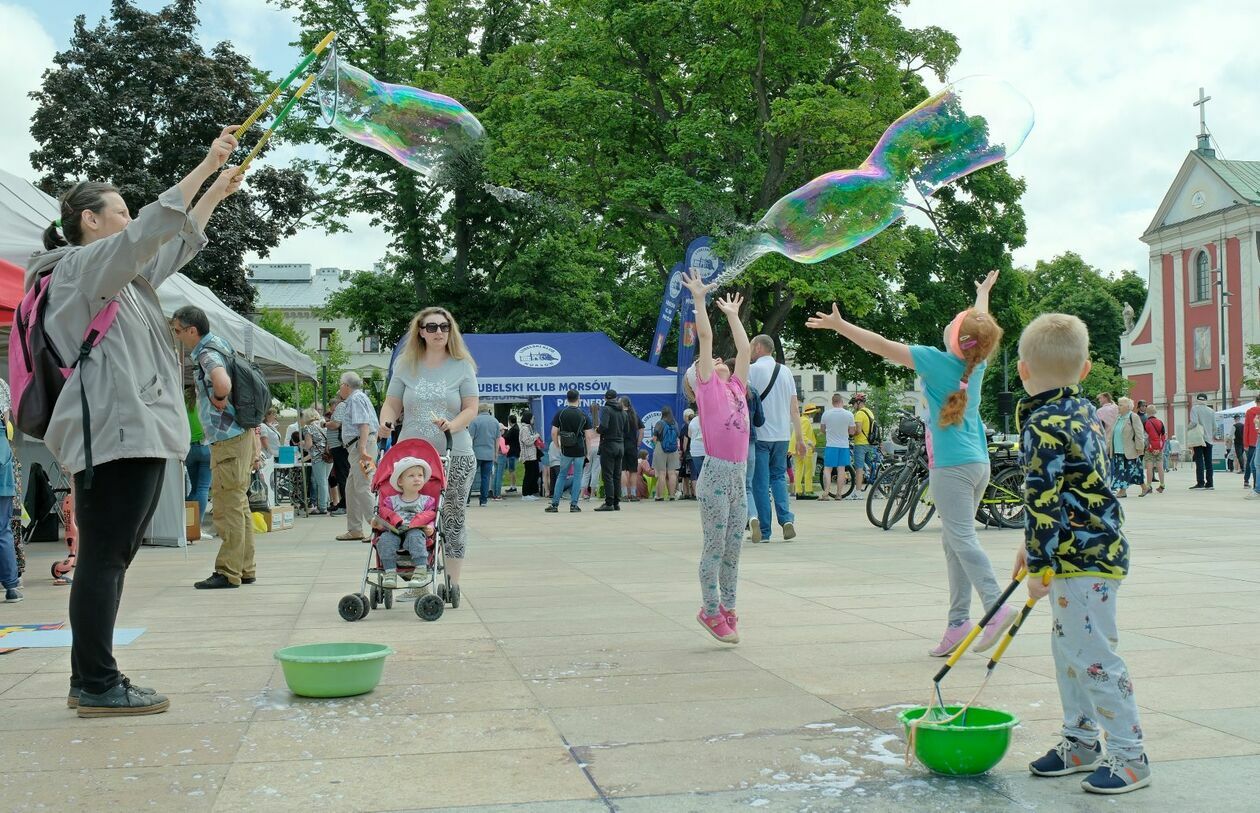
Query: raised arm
x=730 y=305
x=982 y=292
x=896 y=352
x=704 y=330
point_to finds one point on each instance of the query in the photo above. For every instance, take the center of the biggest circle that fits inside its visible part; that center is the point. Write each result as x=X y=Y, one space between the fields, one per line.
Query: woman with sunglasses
x=434 y=389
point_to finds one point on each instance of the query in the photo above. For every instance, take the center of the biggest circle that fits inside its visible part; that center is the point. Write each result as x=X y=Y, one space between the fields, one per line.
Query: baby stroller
x=50 y=507
x=430 y=576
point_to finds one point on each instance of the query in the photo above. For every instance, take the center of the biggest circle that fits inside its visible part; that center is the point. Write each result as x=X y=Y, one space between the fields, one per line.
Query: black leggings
x=341 y=472
x=112 y=516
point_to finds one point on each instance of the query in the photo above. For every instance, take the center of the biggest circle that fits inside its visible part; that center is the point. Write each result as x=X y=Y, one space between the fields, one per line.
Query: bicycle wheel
x=904 y=489
x=922 y=509
x=879 y=490
x=1005 y=497
x=841 y=493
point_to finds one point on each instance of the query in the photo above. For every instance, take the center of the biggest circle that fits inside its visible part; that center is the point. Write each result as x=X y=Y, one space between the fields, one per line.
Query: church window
x=1202 y=283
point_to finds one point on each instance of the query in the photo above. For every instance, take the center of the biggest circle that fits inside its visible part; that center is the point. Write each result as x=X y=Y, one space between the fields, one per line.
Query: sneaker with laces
x=789 y=531
x=952 y=638
x=732 y=620
x=717 y=627
x=994 y=629
x=12 y=595
x=390 y=581
x=1118 y=775
x=72 y=699
x=122 y=700
x=1069 y=756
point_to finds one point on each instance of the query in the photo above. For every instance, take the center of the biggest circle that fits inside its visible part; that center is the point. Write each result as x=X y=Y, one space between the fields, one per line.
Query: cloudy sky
x=1111 y=83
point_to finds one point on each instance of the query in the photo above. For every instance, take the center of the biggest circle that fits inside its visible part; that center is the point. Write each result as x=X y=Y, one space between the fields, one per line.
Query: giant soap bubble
x=973 y=123
x=423 y=131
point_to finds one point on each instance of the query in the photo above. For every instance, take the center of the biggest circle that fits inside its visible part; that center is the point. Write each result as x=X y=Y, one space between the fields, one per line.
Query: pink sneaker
x=732 y=620
x=952 y=638
x=717 y=627
x=994 y=629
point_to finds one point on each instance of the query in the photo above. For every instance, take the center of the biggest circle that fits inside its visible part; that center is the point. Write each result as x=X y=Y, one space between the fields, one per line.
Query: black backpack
x=251 y=397
x=875 y=435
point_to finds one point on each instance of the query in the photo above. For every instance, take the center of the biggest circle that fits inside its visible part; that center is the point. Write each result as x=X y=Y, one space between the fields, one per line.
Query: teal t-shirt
x=941 y=372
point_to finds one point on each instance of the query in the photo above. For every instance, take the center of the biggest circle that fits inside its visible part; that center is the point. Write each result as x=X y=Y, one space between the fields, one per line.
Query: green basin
x=333 y=670
x=968 y=746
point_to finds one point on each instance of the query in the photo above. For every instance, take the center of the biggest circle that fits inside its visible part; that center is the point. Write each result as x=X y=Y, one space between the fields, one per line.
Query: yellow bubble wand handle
x=284 y=84
x=978 y=628
x=284 y=113
x=1019 y=622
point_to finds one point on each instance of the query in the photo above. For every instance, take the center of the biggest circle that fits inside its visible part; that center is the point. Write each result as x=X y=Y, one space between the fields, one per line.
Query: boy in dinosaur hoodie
x=1072 y=530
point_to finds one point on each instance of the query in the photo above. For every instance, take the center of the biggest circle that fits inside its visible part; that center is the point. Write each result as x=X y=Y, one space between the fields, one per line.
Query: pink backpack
x=37 y=374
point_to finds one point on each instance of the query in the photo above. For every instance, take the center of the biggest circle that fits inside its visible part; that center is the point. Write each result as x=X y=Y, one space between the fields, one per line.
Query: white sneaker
x=391 y=580
x=1251 y=495
x=789 y=531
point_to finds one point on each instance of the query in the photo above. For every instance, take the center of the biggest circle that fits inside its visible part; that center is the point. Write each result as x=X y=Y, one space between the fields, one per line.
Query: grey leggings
x=723 y=512
x=957 y=491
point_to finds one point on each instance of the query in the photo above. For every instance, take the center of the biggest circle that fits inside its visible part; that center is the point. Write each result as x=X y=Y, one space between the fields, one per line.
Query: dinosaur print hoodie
x=1072 y=520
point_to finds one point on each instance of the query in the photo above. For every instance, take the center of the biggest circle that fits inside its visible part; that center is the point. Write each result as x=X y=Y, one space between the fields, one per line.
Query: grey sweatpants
x=388 y=544
x=957 y=491
x=723 y=512
x=1094 y=683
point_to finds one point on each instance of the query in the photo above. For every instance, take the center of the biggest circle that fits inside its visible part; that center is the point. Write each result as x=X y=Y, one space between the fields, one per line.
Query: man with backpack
x=571 y=429
x=232 y=445
x=666 y=454
x=866 y=439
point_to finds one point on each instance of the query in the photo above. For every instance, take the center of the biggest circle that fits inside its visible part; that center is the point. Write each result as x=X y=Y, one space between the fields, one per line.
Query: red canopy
x=10 y=291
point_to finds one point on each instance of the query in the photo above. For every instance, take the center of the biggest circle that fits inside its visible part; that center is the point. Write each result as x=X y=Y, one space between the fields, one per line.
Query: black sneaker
x=605 y=507
x=248 y=579
x=551 y=509
x=575 y=509
x=72 y=699
x=216 y=581
x=12 y=595
x=123 y=699
x=1192 y=488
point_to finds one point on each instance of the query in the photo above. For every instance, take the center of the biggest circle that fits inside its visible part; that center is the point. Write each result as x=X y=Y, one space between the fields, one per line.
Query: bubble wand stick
x=284 y=113
x=284 y=84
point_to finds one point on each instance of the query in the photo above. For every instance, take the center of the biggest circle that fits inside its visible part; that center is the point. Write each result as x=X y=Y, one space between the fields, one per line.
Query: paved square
x=575 y=677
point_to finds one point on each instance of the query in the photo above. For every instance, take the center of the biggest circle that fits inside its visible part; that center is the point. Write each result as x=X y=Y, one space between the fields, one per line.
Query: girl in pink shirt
x=720 y=395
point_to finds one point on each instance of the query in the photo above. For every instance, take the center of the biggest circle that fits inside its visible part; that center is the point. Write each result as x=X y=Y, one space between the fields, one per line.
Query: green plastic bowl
x=333 y=670
x=968 y=746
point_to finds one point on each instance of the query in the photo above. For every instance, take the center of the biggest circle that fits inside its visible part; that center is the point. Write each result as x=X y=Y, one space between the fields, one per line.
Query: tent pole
x=297 y=399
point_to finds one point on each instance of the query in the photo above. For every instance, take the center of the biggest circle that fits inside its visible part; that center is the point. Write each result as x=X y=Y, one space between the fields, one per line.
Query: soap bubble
x=423 y=131
x=973 y=123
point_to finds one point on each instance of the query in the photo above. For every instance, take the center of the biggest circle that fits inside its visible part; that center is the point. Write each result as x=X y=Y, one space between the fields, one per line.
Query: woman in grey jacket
x=96 y=254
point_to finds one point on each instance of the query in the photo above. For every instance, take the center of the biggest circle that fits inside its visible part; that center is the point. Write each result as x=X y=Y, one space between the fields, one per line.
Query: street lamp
x=323 y=368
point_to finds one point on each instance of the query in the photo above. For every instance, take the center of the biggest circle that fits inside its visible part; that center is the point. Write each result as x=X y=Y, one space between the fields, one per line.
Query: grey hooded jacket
x=132 y=377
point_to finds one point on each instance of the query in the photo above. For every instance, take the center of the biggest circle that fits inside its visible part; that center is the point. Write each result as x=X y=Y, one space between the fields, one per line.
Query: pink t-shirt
x=723 y=409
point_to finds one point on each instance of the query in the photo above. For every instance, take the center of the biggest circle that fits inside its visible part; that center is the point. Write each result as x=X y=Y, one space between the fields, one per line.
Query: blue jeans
x=319 y=482
x=1254 y=460
x=198 y=464
x=502 y=465
x=485 y=468
x=575 y=490
x=8 y=554
x=770 y=479
x=1249 y=466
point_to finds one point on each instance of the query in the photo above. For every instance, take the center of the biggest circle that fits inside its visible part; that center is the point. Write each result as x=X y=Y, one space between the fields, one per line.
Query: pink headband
x=953 y=339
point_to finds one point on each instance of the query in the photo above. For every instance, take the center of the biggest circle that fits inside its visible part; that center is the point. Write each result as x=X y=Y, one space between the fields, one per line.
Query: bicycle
x=1002 y=504
x=902 y=484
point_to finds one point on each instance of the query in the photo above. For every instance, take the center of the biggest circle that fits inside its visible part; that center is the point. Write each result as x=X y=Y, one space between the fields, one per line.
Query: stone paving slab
x=575 y=679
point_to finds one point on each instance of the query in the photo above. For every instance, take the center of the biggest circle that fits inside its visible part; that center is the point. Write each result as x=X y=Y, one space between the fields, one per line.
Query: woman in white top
x=434 y=389
x=529 y=456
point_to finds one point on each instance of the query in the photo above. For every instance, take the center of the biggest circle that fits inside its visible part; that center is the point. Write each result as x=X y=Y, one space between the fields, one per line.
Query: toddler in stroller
x=405 y=519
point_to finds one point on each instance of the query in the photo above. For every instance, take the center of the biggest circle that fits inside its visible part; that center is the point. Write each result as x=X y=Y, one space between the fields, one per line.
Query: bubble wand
x=284 y=84
x=284 y=113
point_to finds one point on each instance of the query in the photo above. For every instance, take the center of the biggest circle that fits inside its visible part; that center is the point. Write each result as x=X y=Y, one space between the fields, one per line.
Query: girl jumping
x=719 y=389
x=959 y=470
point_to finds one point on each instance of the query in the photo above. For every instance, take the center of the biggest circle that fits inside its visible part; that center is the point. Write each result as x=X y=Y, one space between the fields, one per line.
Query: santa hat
x=408 y=463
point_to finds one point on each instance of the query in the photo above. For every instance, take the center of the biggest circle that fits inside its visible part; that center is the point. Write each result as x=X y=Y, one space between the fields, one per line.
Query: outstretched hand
x=696 y=284
x=223 y=147
x=826 y=321
x=985 y=285
x=730 y=304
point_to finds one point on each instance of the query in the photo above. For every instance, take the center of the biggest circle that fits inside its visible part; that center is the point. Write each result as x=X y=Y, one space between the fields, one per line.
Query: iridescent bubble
x=973 y=123
x=423 y=131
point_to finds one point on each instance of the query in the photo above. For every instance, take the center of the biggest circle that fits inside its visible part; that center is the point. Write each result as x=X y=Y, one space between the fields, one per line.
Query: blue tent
x=540 y=368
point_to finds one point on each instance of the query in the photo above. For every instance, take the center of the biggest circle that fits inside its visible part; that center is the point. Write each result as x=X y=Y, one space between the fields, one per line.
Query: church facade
x=1205 y=234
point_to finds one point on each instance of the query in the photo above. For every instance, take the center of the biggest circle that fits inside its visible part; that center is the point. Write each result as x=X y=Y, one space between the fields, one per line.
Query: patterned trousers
x=723 y=513
x=1094 y=683
x=459 y=477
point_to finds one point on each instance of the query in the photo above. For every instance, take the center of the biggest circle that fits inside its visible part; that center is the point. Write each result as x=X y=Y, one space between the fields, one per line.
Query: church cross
x=1202 y=105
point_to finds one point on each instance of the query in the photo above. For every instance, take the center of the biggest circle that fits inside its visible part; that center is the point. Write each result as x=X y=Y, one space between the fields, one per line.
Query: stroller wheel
x=363 y=600
x=374 y=597
x=389 y=599
x=352 y=607
x=429 y=607
x=441 y=591
x=452 y=596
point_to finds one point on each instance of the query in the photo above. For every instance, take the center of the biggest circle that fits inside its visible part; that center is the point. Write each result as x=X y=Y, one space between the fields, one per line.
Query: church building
x=1203 y=305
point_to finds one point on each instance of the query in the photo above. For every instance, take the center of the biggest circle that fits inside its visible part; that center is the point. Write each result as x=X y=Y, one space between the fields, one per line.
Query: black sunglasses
x=434 y=327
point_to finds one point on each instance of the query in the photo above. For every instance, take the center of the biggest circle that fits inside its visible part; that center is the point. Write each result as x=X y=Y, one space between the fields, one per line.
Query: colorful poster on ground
x=12 y=628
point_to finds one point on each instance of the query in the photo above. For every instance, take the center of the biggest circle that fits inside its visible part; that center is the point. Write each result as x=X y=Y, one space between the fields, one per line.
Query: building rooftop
x=294 y=286
x=1242 y=176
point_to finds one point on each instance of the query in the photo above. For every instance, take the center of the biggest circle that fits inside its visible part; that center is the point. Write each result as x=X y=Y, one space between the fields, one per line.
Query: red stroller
x=429 y=576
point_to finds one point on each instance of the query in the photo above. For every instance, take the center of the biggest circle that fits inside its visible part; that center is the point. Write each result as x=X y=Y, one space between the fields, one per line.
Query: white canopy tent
x=25 y=212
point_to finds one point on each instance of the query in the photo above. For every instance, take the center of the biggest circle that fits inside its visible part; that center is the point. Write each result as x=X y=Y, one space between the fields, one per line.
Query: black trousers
x=112 y=516
x=1203 y=465
x=610 y=467
x=341 y=471
x=529 y=488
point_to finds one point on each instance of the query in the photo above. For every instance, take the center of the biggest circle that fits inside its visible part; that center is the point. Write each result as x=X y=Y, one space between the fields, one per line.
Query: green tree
x=1067 y=284
x=1251 y=367
x=1129 y=288
x=136 y=100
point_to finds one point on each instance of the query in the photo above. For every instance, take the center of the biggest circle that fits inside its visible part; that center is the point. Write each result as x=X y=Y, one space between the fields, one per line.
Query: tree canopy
x=136 y=100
